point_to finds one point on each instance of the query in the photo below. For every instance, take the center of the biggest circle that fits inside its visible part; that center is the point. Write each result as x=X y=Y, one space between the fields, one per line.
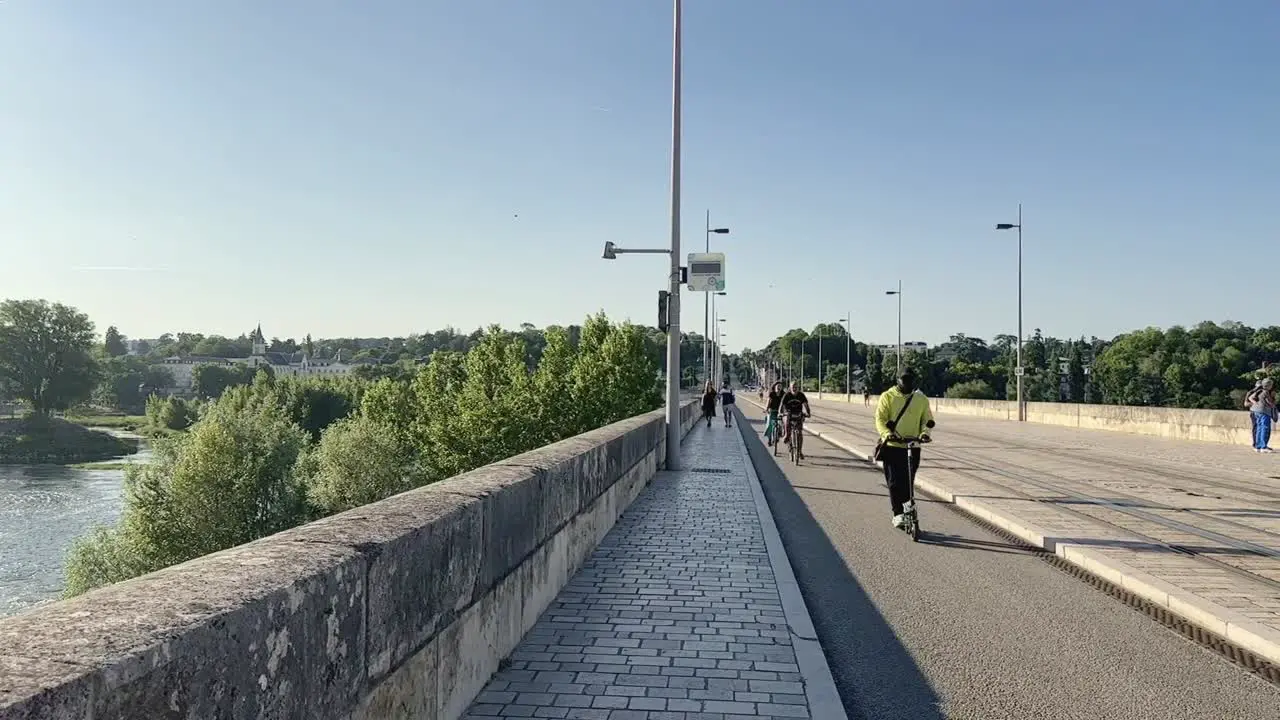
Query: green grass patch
x=131 y=423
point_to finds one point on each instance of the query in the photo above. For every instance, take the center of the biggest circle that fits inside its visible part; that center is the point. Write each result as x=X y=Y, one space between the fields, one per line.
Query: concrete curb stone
x=819 y=685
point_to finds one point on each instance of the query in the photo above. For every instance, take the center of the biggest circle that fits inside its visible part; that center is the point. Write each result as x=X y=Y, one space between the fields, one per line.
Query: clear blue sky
x=357 y=168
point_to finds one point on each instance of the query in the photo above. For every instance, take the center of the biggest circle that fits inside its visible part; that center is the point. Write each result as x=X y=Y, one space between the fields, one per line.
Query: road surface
x=965 y=625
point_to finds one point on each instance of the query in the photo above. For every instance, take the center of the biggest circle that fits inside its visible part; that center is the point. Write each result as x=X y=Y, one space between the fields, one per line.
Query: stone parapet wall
x=399 y=609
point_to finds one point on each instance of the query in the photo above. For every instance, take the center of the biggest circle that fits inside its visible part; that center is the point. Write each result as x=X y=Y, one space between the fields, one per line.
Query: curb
x=1236 y=628
x=819 y=685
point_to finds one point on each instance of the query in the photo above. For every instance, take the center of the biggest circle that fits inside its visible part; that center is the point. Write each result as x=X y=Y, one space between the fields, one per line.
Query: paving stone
x=675 y=616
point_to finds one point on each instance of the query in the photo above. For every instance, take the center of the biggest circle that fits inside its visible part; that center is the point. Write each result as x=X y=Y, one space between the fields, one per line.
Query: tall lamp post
x=714 y=372
x=1022 y=412
x=706 y=308
x=819 y=359
x=720 y=360
x=898 y=292
x=673 y=302
x=848 y=355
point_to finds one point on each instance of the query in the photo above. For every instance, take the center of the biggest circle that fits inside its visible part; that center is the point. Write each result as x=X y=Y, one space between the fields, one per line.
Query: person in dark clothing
x=726 y=403
x=903 y=413
x=793 y=407
x=709 y=402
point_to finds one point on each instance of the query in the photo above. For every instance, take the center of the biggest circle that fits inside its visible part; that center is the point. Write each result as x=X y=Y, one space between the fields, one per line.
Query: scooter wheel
x=914 y=530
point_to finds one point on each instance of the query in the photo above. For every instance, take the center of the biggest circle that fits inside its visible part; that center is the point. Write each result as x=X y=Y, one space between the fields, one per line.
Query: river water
x=43 y=508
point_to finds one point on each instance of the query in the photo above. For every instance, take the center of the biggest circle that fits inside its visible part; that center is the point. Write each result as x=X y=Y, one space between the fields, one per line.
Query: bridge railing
x=402 y=608
x=1230 y=427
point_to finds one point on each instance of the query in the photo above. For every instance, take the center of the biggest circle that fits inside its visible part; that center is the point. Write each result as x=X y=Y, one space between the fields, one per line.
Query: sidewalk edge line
x=819 y=685
x=1183 y=603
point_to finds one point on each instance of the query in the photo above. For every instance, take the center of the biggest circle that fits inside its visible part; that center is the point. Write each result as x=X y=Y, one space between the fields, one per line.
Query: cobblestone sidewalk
x=676 y=616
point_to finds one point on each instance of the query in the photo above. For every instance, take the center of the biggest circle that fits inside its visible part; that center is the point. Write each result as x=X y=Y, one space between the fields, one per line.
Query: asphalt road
x=965 y=625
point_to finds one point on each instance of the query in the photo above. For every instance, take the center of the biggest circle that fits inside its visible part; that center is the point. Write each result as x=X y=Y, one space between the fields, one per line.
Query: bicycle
x=910 y=517
x=795 y=429
x=773 y=431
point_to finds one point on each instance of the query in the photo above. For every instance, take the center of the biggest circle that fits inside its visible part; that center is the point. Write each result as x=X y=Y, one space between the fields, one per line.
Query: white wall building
x=282 y=364
x=292 y=365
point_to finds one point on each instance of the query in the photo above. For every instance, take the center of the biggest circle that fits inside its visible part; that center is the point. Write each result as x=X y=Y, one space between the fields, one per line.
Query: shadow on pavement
x=864 y=652
x=964 y=543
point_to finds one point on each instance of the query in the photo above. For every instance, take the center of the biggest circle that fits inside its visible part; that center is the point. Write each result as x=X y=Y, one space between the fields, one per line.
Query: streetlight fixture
x=706 y=311
x=611 y=252
x=1018 y=371
x=848 y=355
x=898 y=292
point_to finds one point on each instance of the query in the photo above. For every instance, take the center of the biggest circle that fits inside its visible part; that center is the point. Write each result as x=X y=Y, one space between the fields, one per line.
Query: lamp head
x=609 y=254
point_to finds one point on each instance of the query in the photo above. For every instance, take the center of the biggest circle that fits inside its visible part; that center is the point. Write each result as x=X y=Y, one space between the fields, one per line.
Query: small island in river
x=41 y=440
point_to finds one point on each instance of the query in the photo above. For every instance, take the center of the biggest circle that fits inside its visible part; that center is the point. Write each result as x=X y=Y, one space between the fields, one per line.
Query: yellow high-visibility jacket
x=916 y=421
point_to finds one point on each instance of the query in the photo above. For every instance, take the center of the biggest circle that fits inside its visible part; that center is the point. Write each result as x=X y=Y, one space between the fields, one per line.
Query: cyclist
x=794 y=406
x=903 y=412
x=772 y=431
x=726 y=403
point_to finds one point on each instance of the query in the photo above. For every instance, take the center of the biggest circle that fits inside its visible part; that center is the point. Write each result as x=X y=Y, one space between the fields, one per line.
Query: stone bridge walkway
x=676 y=616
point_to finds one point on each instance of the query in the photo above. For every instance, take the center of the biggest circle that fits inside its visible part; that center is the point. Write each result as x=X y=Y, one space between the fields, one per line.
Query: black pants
x=896 y=474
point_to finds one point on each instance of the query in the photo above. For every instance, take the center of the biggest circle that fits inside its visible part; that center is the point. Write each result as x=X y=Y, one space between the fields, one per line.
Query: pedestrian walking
x=1262 y=410
x=709 y=396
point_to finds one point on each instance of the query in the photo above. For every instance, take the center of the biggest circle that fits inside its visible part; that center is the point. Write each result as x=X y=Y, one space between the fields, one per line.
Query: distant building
x=183 y=370
x=282 y=364
x=293 y=364
x=907 y=346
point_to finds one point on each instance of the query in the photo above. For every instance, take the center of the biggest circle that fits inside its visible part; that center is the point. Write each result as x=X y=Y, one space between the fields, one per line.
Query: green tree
x=171 y=413
x=1076 y=379
x=210 y=381
x=45 y=354
x=971 y=390
x=875 y=370
x=121 y=385
x=228 y=481
x=114 y=345
x=359 y=460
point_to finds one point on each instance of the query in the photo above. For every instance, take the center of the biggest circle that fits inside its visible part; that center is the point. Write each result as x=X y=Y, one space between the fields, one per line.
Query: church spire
x=259 y=341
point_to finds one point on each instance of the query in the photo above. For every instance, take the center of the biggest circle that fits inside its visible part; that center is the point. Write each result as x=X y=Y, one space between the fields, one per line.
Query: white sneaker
x=898 y=520
x=1266 y=450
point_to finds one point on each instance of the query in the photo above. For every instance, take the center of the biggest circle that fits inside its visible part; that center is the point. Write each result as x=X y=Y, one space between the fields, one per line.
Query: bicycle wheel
x=797 y=443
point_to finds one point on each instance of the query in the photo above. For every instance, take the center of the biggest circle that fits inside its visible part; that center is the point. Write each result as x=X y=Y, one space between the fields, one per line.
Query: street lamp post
x=713 y=371
x=706 y=312
x=898 y=292
x=673 y=302
x=848 y=356
x=819 y=360
x=719 y=352
x=1022 y=412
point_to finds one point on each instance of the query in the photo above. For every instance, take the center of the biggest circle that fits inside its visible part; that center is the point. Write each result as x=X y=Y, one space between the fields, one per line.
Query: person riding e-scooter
x=903 y=412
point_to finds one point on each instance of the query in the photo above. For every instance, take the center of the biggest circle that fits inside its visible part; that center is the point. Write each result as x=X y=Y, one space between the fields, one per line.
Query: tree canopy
x=45 y=354
x=1208 y=366
x=275 y=453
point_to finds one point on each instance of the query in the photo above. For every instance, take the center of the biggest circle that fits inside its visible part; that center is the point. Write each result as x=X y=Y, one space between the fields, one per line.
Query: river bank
x=38 y=440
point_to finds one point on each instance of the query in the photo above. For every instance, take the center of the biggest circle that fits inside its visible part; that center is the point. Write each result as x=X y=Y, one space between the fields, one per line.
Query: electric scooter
x=910 y=516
